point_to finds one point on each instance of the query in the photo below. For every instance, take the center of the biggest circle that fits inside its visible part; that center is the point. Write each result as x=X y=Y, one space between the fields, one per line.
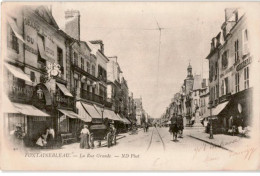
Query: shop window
x=64 y=124
x=237 y=82
x=16 y=120
x=246 y=77
x=224 y=60
x=236 y=51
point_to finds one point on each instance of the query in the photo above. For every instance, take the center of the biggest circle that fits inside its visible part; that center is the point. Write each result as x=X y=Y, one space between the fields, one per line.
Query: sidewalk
x=227 y=142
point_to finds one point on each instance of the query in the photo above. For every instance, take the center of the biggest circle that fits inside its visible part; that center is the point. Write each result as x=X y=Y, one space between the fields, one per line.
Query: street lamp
x=211 y=126
x=102 y=111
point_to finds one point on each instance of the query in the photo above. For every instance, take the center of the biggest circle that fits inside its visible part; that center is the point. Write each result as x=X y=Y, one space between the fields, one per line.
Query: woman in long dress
x=84 y=141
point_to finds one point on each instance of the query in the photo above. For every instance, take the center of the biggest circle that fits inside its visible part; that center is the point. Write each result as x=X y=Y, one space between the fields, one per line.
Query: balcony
x=83 y=72
x=224 y=97
x=95 y=98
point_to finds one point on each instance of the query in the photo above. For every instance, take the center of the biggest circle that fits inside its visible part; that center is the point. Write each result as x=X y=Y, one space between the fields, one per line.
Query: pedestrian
x=51 y=137
x=18 y=136
x=84 y=137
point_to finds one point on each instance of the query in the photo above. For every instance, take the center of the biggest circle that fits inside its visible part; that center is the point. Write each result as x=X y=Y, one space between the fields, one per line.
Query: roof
x=197 y=82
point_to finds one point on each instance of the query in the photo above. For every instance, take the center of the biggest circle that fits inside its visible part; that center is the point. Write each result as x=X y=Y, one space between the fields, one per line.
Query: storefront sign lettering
x=37 y=27
x=49 y=51
x=29 y=39
x=244 y=64
x=31 y=50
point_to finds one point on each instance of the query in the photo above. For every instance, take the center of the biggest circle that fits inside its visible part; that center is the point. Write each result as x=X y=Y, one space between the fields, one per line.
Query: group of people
x=86 y=138
x=176 y=127
x=47 y=139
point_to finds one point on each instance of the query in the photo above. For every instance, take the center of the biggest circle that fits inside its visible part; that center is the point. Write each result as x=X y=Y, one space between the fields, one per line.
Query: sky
x=128 y=30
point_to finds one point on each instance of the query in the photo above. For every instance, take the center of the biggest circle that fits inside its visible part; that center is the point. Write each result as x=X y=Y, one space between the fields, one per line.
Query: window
x=13 y=41
x=75 y=58
x=237 y=82
x=222 y=87
x=93 y=70
x=60 y=59
x=245 y=41
x=195 y=102
x=226 y=87
x=32 y=76
x=236 y=51
x=224 y=60
x=211 y=74
x=82 y=63
x=246 y=77
x=88 y=67
x=216 y=70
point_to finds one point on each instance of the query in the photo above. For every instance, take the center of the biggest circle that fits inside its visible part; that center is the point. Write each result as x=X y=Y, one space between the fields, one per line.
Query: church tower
x=188 y=82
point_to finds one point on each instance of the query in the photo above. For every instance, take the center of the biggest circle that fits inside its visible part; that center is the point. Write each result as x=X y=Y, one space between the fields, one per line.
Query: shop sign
x=19 y=92
x=39 y=119
x=239 y=108
x=31 y=50
x=64 y=101
x=244 y=63
x=37 y=27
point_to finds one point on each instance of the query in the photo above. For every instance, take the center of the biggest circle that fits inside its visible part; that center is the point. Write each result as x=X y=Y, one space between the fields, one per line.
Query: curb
x=216 y=145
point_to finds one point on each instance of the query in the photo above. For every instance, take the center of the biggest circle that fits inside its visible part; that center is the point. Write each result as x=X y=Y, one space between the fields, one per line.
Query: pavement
x=226 y=142
x=156 y=150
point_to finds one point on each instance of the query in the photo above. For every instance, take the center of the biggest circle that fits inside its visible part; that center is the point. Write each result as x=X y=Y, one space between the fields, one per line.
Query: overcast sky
x=127 y=32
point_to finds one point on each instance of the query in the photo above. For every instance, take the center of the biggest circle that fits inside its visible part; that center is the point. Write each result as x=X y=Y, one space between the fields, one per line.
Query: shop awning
x=219 y=108
x=91 y=111
x=15 y=28
x=69 y=113
x=114 y=116
x=107 y=114
x=83 y=115
x=29 y=110
x=7 y=105
x=124 y=120
x=42 y=50
x=17 y=72
x=65 y=91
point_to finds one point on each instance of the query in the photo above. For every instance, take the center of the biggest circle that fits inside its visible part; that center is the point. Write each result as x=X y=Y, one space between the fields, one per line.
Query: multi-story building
x=204 y=101
x=139 y=110
x=37 y=70
x=233 y=106
x=88 y=73
x=113 y=83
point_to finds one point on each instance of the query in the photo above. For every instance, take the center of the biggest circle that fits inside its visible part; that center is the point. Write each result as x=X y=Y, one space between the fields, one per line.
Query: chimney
x=100 y=43
x=228 y=13
x=72 y=23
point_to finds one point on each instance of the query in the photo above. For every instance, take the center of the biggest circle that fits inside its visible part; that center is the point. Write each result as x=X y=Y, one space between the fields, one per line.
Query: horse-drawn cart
x=102 y=132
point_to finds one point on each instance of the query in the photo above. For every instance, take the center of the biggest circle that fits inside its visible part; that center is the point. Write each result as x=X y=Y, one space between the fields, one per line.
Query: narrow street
x=155 y=146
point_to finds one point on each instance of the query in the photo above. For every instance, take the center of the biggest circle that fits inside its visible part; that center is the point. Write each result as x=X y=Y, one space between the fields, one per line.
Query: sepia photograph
x=130 y=86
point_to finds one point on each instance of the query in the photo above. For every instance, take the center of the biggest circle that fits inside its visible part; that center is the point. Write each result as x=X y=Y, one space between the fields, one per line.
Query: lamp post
x=211 y=126
x=102 y=111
